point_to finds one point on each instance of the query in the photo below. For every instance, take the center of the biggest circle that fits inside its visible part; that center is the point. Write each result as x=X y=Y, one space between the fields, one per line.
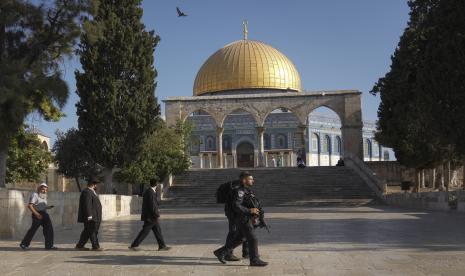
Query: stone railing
x=366 y=174
x=16 y=217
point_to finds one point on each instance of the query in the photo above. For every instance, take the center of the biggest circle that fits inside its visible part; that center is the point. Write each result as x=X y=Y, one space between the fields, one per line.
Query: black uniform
x=233 y=228
x=149 y=216
x=243 y=220
x=89 y=206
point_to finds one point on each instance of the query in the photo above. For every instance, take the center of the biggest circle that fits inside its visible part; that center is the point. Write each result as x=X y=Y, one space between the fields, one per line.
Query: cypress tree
x=117 y=106
x=408 y=110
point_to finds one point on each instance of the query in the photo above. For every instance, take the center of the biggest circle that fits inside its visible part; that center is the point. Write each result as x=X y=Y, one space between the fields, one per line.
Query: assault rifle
x=259 y=221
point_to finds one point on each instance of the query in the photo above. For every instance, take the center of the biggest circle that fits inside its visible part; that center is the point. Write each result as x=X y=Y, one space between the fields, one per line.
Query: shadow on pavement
x=146 y=260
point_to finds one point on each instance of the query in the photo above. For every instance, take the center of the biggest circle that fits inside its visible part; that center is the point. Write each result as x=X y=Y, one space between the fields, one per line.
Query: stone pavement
x=303 y=241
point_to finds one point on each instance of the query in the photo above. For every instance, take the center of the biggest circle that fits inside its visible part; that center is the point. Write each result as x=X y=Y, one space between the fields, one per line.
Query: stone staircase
x=311 y=186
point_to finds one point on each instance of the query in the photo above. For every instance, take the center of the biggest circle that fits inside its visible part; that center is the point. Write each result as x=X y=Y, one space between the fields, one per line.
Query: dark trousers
x=247 y=231
x=47 y=229
x=148 y=226
x=233 y=231
x=90 y=231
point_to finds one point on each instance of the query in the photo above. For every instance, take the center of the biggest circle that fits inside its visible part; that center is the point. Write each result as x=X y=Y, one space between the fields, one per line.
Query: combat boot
x=231 y=258
x=220 y=253
x=258 y=262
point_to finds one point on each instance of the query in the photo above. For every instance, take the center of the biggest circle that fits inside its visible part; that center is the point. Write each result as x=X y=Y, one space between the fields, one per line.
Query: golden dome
x=246 y=64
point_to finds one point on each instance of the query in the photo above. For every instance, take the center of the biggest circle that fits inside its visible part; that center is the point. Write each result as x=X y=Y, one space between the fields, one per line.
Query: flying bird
x=180 y=13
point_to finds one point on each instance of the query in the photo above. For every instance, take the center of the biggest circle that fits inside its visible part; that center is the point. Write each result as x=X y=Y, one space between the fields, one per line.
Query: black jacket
x=89 y=205
x=242 y=202
x=149 y=206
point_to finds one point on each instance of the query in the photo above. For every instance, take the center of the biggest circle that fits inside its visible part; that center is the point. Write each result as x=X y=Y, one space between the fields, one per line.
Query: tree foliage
x=34 y=36
x=71 y=156
x=416 y=96
x=164 y=152
x=28 y=159
x=117 y=107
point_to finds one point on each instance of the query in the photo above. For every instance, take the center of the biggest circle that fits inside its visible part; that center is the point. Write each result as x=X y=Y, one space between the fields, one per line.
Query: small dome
x=246 y=64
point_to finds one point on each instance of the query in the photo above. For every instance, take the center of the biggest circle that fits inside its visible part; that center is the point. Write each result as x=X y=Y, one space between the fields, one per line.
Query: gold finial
x=246 y=31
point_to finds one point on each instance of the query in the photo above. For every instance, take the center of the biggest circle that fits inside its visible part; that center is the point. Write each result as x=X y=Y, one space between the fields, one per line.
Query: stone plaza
x=374 y=240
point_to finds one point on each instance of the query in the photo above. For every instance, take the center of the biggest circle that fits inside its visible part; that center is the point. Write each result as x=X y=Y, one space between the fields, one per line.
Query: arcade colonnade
x=345 y=103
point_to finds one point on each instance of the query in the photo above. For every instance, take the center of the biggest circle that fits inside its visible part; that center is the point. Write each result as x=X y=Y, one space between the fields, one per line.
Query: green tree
x=117 y=107
x=27 y=158
x=71 y=156
x=33 y=40
x=407 y=118
x=164 y=152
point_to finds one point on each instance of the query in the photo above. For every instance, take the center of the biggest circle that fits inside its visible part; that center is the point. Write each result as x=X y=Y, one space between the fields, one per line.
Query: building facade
x=248 y=110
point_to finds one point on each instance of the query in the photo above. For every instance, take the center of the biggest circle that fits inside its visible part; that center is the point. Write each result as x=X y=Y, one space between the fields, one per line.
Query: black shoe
x=164 y=248
x=220 y=255
x=258 y=262
x=81 y=248
x=23 y=247
x=231 y=258
x=134 y=248
x=51 y=248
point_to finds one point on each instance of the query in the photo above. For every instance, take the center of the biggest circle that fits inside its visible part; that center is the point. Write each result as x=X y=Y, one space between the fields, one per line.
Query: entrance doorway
x=245 y=155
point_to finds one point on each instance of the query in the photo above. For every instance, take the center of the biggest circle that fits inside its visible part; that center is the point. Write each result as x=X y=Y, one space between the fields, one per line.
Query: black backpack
x=223 y=193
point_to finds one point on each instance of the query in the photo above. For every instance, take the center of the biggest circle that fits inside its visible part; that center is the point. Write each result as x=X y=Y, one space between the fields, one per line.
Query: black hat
x=94 y=180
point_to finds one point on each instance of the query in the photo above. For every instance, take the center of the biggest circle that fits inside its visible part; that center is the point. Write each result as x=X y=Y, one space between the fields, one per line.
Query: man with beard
x=38 y=206
x=90 y=213
x=245 y=213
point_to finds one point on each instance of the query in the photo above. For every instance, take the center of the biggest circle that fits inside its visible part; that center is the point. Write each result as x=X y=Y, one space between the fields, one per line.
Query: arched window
x=44 y=145
x=210 y=143
x=386 y=155
x=338 y=145
x=281 y=141
x=327 y=144
x=315 y=142
x=195 y=144
x=226 y=143
x=368 y=148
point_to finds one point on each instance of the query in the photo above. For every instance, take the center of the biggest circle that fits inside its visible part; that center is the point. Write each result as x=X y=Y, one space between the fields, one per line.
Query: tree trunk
x=417 y=180
x=434 y=180
x=447 y=175
x=108 y=180
x=78 y=184
x=463 y=174
x=3 y=156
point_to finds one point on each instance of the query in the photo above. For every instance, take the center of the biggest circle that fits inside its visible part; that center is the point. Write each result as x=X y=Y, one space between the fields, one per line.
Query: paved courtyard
x=303 y=241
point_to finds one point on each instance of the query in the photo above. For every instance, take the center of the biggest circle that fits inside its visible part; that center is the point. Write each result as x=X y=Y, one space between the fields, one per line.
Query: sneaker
x=23 y=247
x=164 y=248
x=81 y=248
x=98 y=249
x=220 y=255
x=258 y=262
x=134 y=248
x=51 y=248
x=231 y=258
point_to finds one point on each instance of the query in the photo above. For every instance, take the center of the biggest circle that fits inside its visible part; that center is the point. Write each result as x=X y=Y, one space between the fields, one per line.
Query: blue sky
x=335 y=44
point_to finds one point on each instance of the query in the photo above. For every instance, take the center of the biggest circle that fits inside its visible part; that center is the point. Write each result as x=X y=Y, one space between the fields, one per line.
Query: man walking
x=150 y=215
x=233 y=230
x=38 y=206
x=245 y=213
x=90 y=213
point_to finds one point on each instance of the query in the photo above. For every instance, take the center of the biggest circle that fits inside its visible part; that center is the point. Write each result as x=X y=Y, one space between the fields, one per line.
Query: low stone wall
x=423 y=201
x=15 y=217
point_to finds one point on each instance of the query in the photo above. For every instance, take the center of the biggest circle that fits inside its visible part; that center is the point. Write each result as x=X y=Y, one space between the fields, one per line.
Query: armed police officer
x=245 y=213
x=229 y=213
